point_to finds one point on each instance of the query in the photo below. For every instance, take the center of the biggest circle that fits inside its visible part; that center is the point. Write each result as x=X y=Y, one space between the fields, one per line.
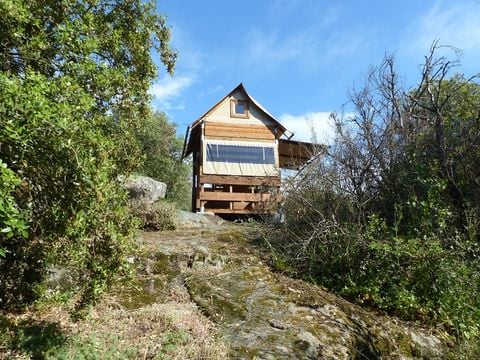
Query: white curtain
x=244 y=158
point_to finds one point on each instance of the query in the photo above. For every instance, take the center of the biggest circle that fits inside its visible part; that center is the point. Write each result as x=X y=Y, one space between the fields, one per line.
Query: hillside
x=208 y=293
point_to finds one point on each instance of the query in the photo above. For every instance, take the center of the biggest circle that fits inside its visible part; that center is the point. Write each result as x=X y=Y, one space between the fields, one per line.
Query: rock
x=308 y=344
x=265 y=315
x=277 y=324
x=60 y=278
x=144 y=188
x=199 y=220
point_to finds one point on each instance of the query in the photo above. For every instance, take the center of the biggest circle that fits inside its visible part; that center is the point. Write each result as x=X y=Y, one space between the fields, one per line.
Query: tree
x=74 y=77
x=390 y=216
x=162 y=149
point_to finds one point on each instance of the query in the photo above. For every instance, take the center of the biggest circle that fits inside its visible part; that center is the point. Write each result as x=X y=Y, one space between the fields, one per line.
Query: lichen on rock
x=266 y=315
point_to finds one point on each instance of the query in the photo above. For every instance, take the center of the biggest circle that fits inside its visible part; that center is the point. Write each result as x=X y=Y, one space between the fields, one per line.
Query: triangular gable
x=241 y=88
x=292 y=153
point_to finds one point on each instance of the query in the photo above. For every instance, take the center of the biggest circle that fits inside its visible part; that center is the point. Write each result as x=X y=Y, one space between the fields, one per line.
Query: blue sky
x=299 y=58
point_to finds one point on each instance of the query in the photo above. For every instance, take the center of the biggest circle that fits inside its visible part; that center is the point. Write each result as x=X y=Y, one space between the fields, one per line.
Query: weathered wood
x=238 y=211
x=296 y=153
x=243 y=139
x=231 y=196
x=240 y=180
x=239 y=134
x=245 y=131
x=241 y=205
x=250 y=127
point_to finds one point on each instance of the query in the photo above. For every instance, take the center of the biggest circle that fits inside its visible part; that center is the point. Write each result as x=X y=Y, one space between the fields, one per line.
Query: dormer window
x=239 y=108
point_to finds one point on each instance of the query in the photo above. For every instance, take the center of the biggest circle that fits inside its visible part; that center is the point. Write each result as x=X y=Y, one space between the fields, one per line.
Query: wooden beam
x=239 y=131
x=244 y=139
x=232 y=133
x=224 y=125
x=239 y=211
x=228 y=196
x=240 y=180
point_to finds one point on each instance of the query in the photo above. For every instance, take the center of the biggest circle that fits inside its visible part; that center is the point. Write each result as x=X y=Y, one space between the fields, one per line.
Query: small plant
x=160 y=215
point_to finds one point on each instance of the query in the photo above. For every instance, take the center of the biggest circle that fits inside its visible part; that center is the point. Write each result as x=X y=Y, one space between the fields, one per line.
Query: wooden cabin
x=238 y=148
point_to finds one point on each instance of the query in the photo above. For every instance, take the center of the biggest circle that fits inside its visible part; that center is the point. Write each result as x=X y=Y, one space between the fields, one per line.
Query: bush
x=415 y=278
x=162 y=150
x=389 y=215
x=157 y=216
x=12 y=219
x=76 y=210
x=74 y=79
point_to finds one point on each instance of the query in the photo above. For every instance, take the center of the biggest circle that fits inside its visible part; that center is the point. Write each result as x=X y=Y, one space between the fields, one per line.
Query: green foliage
x=74 y=77
x=12 y=221
x=76 y=211
x=162 y=150
x=46 y=340
x=93 y=347
x=160 y=215
x=418 y=278
x=171 y=341
x=390 y=216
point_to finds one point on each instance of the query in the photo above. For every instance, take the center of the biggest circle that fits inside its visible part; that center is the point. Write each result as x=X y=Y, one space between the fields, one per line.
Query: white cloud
x=168 y=90
x=311 y=126
x=170 y=87
x=309 y=48
x=268 y=48
x=212 y=90
x=452 y=23
x=280 y=8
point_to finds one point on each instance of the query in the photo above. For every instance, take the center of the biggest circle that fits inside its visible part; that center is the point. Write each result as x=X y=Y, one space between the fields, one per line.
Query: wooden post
x=202 y=186
x=194 y=181
x=202 y=202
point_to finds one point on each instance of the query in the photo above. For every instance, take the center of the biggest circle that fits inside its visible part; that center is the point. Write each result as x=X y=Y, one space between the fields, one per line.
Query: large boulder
x=267 y=315
x=199 y=220
x=144 y=188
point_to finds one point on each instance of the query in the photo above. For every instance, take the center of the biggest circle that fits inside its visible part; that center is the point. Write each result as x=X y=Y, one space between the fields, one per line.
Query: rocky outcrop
x=199 y=220
x=266 y=315
x=144 y=188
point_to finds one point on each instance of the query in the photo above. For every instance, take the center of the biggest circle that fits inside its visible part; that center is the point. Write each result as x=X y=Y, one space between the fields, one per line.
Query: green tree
x=74 y=77
x=390 y=216
x=162 y=149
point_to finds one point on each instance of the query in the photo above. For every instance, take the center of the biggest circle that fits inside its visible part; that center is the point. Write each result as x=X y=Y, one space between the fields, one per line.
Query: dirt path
x=261 y=314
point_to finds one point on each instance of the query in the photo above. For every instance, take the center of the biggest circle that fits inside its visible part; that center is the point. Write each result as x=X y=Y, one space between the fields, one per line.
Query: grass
x=159 y=331
x=27 y=338
x=173 y=329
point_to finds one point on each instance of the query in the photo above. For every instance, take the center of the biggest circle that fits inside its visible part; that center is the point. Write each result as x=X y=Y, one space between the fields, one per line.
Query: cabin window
x=239 y=108
x=240 y=154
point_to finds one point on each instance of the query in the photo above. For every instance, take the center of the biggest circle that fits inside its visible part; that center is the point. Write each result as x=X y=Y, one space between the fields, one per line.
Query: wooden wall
x=233 y=194
x=239 y=131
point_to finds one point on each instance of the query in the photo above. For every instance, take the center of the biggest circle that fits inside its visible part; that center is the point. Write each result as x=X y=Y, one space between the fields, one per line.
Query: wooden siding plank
x=240 y=134
x=220 y=125
x=239 y=211
x=239 y=130
x=228 y=196
x=240 y=180
x=231 y=138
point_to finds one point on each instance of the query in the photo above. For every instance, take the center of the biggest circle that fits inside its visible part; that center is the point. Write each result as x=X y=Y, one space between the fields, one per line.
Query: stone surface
x=144 y=188
x=199 y=220
x=266 y=315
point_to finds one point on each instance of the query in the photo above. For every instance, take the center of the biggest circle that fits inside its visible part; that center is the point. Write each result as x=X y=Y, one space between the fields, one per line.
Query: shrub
x=77 y=213
x=12 y=219
x=74 y=78
x=160 y=215
x=389 y=215
x=162 y=150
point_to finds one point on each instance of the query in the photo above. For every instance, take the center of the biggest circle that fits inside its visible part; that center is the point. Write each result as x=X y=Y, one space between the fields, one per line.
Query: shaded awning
x=293 y=154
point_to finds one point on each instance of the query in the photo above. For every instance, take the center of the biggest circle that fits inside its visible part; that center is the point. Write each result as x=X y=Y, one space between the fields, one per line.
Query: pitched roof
x=242 y=88
x=193 y=132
